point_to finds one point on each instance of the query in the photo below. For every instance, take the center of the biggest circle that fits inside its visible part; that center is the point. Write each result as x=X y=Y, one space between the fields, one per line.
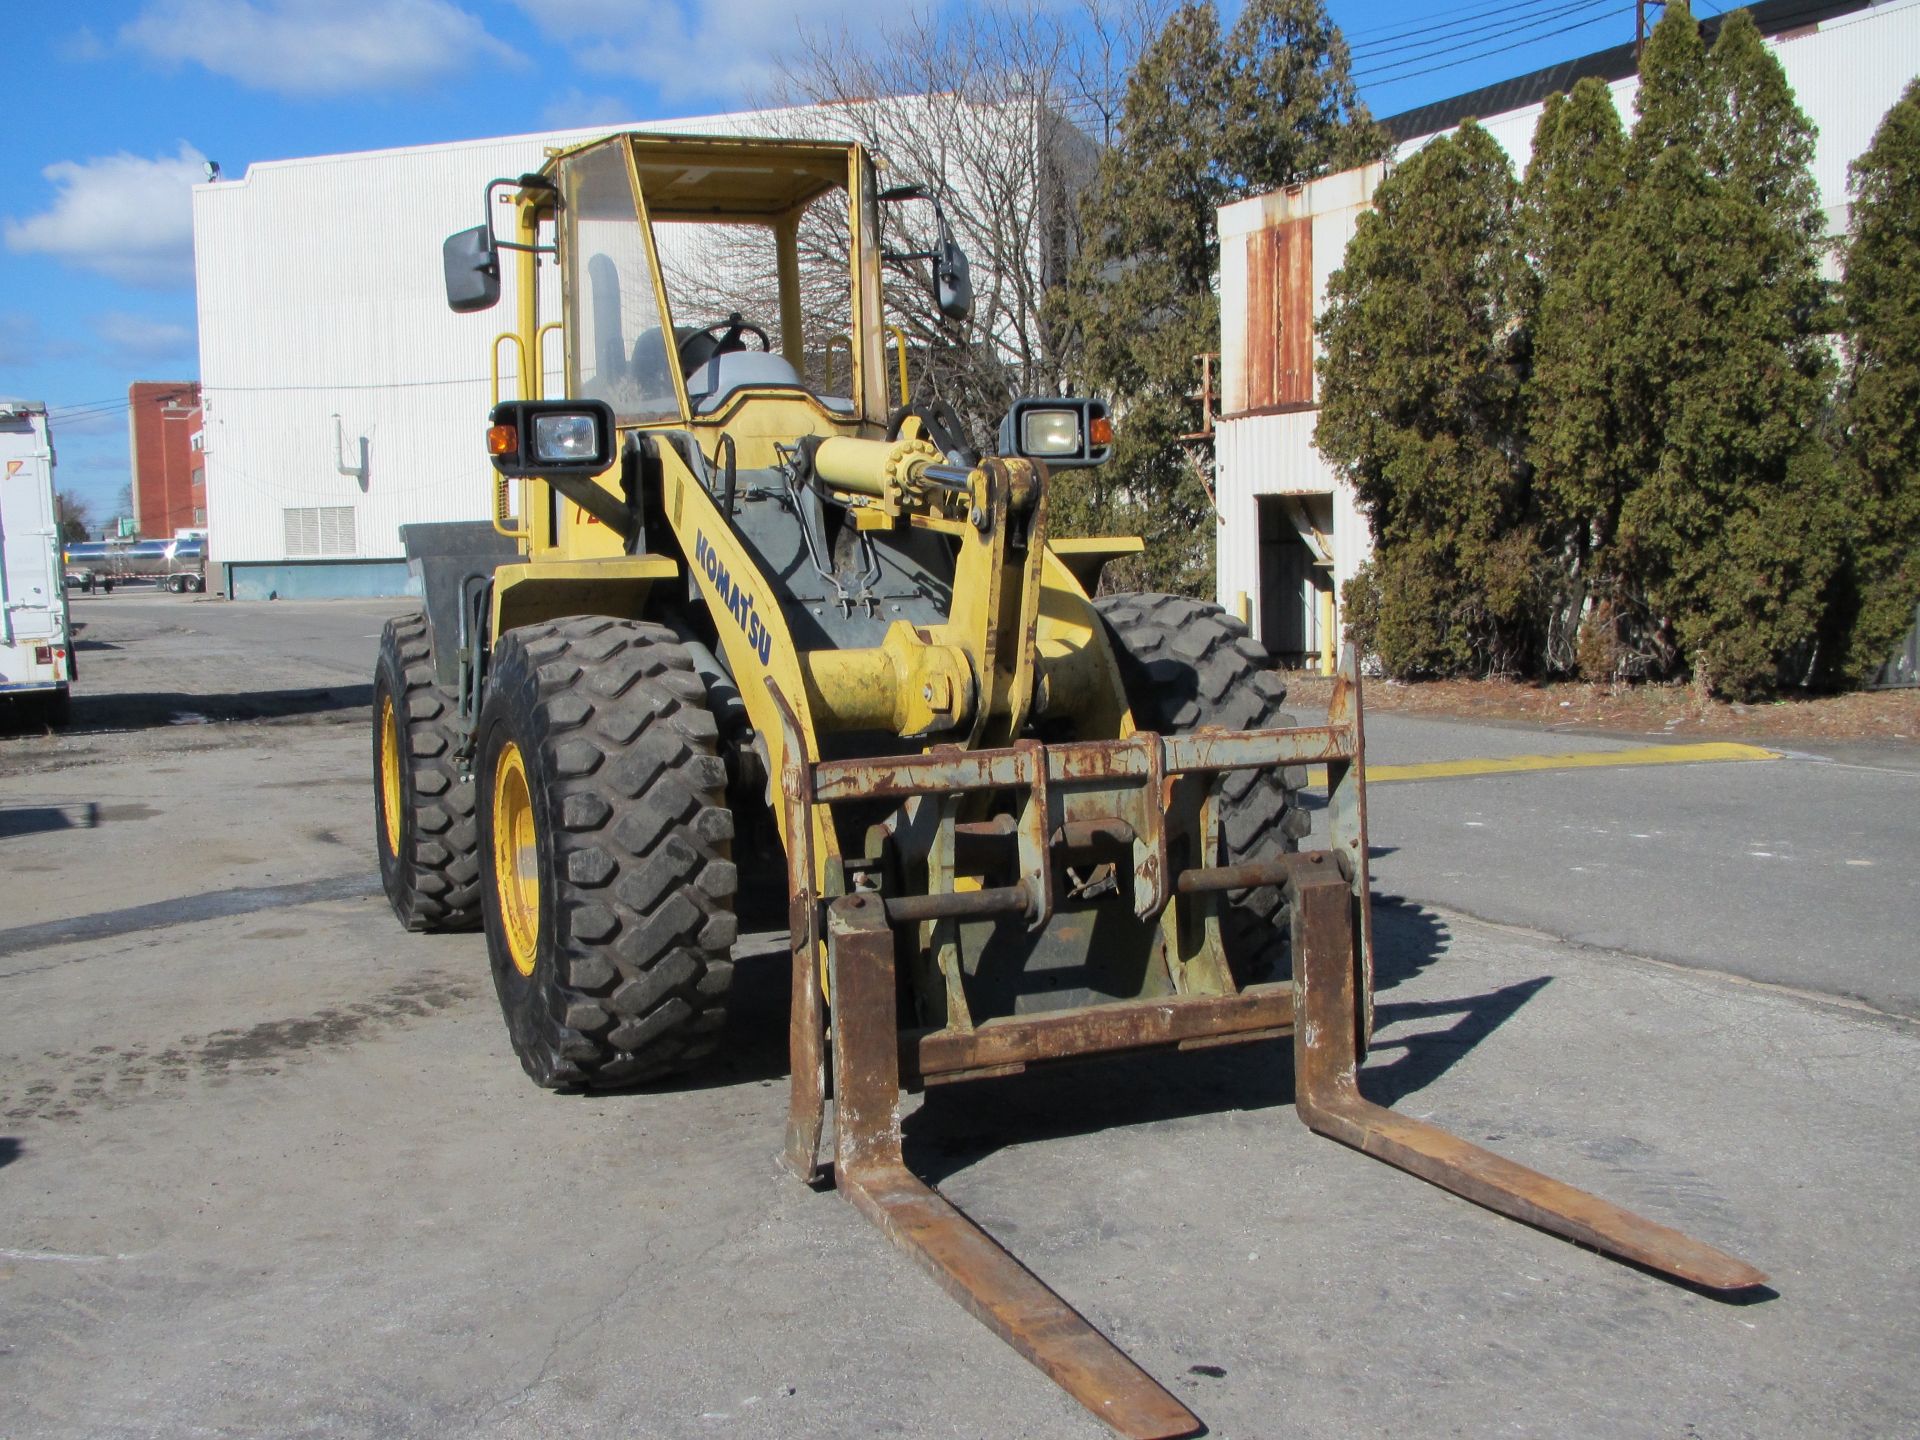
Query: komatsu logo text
x=732 y=595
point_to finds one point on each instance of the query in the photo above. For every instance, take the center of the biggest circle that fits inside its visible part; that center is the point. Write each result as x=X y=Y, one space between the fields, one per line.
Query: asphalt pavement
x=1801 y=871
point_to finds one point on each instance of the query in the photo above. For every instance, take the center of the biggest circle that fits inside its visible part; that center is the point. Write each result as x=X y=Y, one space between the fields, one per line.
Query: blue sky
x=114 y=109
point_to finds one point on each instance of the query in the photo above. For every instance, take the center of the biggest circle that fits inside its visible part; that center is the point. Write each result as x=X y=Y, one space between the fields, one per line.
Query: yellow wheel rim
x=390 y=773
x=516 y=874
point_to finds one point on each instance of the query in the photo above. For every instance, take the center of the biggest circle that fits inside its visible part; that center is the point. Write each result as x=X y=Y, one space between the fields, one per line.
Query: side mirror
x=952 y=273
x=472 y=264
x=952 y=279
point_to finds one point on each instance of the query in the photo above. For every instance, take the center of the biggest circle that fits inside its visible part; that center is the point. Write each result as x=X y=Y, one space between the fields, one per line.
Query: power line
x=1451 y=61
x=1529 y=30
x=1456 y=30
x=99 y=412
x=1391 y=32
x=118 y=401
x=368 y=385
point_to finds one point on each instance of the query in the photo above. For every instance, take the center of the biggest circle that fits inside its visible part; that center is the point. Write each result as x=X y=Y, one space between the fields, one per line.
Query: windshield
x=754 y=229
x=619 y=353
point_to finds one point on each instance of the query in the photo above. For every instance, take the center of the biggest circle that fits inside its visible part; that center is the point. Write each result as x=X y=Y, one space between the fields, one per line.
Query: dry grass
x=1892 y=715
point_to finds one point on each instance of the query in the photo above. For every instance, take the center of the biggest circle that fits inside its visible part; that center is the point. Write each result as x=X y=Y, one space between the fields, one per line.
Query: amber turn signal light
x=502 y=440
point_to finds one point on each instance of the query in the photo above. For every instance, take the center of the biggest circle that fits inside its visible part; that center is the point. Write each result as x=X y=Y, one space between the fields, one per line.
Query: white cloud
x=88 y=422
x=139 y=337
x=82 y=46
x=576 y=110
x=295 y=47
x=723 y=50
x=123 y=216
x=19 y=335
x=24 y=342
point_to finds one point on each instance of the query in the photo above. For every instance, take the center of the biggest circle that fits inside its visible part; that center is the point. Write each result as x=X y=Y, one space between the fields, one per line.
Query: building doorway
x=1294 y=611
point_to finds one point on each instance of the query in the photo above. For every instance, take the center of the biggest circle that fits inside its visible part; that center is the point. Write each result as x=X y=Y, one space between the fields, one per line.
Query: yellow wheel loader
x=744 y=597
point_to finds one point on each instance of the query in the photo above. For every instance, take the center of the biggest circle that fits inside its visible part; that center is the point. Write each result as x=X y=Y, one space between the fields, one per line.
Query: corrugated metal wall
x=1273 y=454
x=1845 y=77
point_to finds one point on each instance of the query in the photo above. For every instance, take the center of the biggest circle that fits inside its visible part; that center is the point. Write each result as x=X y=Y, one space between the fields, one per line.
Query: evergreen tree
x=1709 y=356
x=1291 y=108
x=1881 y=295
x=1420 y=397
x=1205 y=120
x=1574 y=187
x=1574 y=182
x=1757 y=136
x=1675 y=103
x=1140 y=295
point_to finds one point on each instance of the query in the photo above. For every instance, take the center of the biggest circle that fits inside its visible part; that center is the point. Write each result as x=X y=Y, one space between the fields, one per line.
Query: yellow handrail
x=520 y=355
x=539 y=372
x=900 y=338
x=827 y=360
x=502 y=503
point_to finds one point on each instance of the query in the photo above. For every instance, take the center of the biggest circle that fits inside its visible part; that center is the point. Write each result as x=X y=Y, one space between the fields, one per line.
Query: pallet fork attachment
x=1325 y=1008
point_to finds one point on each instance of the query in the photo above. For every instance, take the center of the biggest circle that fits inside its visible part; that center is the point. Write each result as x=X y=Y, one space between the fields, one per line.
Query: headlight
x=1065 y=432
x=534 y=438
x=1050 y=432
x=564 y=437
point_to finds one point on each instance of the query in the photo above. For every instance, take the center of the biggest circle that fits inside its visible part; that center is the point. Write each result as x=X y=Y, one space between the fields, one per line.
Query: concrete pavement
x=267 y=1165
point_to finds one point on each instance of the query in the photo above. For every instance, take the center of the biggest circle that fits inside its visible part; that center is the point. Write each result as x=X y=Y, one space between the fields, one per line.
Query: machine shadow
x=945 y=1135
x=1425 y=1056
x=1407 y=938
x=156 y=710
x=18 y=820
x=753 y=1043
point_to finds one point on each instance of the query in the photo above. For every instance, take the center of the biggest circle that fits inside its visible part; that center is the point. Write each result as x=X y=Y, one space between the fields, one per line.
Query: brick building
x=169 y=468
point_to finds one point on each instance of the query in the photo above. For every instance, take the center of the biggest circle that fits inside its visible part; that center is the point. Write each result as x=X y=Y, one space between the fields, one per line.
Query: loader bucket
x=1325 y=1007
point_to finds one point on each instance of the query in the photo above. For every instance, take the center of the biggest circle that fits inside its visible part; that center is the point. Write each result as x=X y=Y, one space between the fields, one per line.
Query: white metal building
x=342 y=398
x=1290 y=533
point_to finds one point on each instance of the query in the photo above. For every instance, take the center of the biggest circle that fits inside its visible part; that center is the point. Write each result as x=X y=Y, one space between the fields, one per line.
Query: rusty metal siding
x=1280 y=305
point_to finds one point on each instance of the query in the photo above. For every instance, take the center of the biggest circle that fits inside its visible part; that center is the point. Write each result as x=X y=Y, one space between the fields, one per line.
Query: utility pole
x=1640 y=27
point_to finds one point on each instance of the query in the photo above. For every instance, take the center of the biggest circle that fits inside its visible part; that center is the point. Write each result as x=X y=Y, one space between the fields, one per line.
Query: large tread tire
x=432 y=876
x=1184 y=664
x=632 y=960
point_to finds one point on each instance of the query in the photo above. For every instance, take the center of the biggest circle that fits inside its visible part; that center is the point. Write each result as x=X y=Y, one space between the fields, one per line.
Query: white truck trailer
x=36 y=641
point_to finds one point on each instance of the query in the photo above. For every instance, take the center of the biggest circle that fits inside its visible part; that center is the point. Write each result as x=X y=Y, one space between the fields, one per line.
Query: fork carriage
x=1137 y=808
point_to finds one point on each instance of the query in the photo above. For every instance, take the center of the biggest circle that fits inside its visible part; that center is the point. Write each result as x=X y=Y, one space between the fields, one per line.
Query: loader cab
x=696 y=274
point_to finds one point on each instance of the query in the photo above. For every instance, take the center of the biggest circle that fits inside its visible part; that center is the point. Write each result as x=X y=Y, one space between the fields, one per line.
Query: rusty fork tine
x=1329 y=1100
x=868 y=1166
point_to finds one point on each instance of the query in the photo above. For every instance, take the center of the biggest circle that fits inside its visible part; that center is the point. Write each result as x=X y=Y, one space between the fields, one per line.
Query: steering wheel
x=720 y=338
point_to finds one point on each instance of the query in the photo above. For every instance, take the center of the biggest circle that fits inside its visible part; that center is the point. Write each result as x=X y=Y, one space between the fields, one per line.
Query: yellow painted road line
x=1581 y=760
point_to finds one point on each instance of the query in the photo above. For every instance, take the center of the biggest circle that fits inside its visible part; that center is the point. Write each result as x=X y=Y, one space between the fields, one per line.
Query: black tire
x=1185 y=663
x=632 y=957
x=430 y=846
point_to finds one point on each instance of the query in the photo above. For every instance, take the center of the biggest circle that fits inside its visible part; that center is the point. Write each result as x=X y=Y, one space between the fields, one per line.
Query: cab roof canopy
x=708 y=177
